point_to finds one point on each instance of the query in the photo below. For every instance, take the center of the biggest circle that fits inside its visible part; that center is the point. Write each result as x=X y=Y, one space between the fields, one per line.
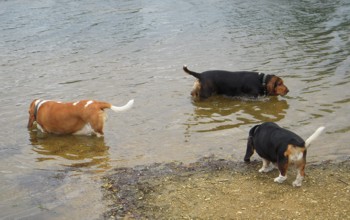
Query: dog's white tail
x=124 y=107
x=314 y=136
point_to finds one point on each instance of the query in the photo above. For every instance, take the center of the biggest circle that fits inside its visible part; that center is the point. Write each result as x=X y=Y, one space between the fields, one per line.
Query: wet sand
x=213 y=188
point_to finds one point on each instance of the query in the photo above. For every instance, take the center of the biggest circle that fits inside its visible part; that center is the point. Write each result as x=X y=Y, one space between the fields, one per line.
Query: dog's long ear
x=271 y=84
x=31 y=114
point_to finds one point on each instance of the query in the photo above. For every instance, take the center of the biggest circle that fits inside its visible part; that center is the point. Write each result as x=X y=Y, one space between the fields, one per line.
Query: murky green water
x=119 y=50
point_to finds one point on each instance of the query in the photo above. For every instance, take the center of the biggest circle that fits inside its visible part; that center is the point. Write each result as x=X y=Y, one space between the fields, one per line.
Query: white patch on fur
x=99 y=135
x=86 y=130
x=36 y=102
x=40 y=104
x=76 y=103
x=88 y=103
x=38 y=126
x=266 y=167
x=280 y=178
x=295 y=157
x=297 y=182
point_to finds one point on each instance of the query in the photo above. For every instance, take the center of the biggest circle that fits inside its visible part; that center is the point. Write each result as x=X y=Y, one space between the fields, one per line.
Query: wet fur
x=82 y=117
x=242 y=83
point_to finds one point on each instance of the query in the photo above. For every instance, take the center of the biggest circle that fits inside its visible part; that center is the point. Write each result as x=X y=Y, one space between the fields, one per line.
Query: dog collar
x=263 y=82
x=38 y=103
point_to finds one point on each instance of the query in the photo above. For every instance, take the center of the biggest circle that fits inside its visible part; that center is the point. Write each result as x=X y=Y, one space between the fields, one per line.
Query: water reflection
x=219 y=113
x=72 y=151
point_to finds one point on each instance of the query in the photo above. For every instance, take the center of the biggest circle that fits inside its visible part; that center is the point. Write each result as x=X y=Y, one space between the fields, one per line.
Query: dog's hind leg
x=297 y=182
x=266 y=167
x=300 y=176
x=250 y=149
x=280 y=178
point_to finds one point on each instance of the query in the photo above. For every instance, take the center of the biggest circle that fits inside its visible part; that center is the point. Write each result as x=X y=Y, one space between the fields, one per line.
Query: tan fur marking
x=275 y=86
x=294 y=153
x=196 y=89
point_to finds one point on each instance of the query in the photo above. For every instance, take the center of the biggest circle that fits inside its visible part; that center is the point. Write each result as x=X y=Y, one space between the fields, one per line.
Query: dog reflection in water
x=220 y=113
x=71 y=150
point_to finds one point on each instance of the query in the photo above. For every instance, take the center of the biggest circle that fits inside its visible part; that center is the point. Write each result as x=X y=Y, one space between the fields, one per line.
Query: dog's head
x=276 y=87
x=31 y=112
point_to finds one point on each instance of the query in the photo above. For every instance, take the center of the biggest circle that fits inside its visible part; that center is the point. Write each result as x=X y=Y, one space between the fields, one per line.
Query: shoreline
x=214 y=188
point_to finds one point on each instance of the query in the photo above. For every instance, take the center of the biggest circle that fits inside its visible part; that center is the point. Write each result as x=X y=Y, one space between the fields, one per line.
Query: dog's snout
x=287 y=90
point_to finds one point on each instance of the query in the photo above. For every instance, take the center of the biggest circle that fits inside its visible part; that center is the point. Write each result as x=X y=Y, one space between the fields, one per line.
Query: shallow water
x=120 y=50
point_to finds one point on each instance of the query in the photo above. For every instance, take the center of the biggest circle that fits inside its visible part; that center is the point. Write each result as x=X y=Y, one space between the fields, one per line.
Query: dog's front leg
x=280 y=178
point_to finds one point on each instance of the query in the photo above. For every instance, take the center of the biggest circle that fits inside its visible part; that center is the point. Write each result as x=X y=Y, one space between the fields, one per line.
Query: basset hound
x=281 y=147
x=82 y=117
x=241 y=83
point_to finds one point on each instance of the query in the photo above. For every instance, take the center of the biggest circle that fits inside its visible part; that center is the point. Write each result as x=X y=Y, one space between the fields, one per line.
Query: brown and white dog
x=281 y=147
x=82 y=117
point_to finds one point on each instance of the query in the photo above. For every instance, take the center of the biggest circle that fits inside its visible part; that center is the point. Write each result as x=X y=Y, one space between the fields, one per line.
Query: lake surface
x=121 y=50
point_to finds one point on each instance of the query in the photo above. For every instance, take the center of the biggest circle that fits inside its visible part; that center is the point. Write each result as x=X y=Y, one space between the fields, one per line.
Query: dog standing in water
x=82 y=117
x=240 y=83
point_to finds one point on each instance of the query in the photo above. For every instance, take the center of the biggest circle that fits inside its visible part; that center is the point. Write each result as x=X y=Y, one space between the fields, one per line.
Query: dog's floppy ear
x=31 y=114
x=271 y=84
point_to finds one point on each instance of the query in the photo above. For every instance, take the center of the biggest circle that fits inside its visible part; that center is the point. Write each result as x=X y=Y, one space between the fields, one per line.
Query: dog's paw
x=266 y=169
x=297 y=183
x=280 y=179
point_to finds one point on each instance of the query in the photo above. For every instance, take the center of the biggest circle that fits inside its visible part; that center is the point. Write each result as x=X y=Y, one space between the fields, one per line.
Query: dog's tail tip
x=314 y=136
x=185 y=68
x=197 y=75
x=125 y=107
x=131 y=102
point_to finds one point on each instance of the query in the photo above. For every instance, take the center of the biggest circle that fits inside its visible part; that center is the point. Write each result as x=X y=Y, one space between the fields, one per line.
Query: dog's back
x=221 y=82
x=269 y=140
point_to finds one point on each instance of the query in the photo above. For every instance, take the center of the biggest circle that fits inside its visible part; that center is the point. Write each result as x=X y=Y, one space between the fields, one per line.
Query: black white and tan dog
x=281 y=147
x=81 y=118
x=240 y=83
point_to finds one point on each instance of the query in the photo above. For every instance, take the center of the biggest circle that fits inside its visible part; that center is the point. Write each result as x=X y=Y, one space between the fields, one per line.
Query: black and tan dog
x=241 y=83
x=281 y=147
